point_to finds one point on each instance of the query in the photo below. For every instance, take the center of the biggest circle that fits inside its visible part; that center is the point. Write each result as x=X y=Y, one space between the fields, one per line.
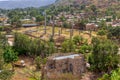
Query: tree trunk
x=13 y=66
x=42 y=72
x=61 y=29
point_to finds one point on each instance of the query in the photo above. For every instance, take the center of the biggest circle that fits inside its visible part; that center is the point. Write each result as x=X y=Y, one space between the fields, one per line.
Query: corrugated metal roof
x=25 y=25
x=65 y=57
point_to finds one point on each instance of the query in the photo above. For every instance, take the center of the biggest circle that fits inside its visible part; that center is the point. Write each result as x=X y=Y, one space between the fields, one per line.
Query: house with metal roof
x=29 y=25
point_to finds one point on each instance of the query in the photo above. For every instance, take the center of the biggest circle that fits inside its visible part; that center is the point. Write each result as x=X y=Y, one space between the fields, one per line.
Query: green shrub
x=5 y=75
x=77 y=39
x=68 y=46
x=1 y=28
x=101 y=32
x=85 y=49
x=115 y=75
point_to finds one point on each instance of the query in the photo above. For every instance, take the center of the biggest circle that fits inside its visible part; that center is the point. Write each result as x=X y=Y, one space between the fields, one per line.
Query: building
x=29 y=25
x=91 y=27
x=10 y=39
x=72 y=63
x=116 y=23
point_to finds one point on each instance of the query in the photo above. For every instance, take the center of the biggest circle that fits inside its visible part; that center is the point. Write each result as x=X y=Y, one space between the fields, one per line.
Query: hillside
x=98 y=3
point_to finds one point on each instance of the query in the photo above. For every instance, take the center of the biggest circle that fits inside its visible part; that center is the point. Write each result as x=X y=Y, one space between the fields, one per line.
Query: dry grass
x=65 y=32
x=66 y=76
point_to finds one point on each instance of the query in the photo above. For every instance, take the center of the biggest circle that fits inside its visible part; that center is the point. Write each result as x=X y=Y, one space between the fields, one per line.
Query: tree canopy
x=104 y=56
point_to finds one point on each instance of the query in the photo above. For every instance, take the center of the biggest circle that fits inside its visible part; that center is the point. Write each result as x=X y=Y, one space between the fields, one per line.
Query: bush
x=85 y=49
x=38 y=62
x=77 y=39
x=68 y=46
x=32 y=47
x=5 y=75
x=1 y=61
x=1 y=28
x=115 y=75
x=101 y=32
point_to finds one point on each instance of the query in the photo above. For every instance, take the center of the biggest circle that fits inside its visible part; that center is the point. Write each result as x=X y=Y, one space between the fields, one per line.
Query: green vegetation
x=104 y=57
x=115 y=75
x=101 y=32
x=100 y=53
x=85 y=48
x=10 y=56
x=39 y=62
x=6 y=75
x=32 y=47
x=1 y=28
x=68 y=46
x=114 y=33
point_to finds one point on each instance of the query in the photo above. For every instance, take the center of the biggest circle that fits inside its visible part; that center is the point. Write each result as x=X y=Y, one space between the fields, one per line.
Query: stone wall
x=76 y=66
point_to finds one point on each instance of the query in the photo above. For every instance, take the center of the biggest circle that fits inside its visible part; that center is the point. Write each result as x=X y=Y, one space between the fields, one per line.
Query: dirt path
x=88 y=76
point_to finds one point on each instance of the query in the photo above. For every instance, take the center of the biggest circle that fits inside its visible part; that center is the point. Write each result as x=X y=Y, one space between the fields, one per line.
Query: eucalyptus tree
x=45 y=16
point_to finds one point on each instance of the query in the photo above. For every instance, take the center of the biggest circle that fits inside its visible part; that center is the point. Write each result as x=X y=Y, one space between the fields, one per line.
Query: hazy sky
x=9 y=4
x=23 y=0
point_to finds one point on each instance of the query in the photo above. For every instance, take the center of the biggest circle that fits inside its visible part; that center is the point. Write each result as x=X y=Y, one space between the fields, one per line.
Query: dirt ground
x=39 y=32
x=24 y=73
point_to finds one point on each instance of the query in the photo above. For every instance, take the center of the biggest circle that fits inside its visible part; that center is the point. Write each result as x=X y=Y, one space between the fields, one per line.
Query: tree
x=81 y=24
x=22 y=43
x=1 y=59
x=94 y=9
x=104 y=57
x=103 y=25
x=10 y=56
x=114 y=32
x=39 y=18
x=32 y=47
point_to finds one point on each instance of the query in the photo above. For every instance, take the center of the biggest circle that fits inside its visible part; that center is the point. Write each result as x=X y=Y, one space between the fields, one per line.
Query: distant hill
x=11 y=4
x=99 y=3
